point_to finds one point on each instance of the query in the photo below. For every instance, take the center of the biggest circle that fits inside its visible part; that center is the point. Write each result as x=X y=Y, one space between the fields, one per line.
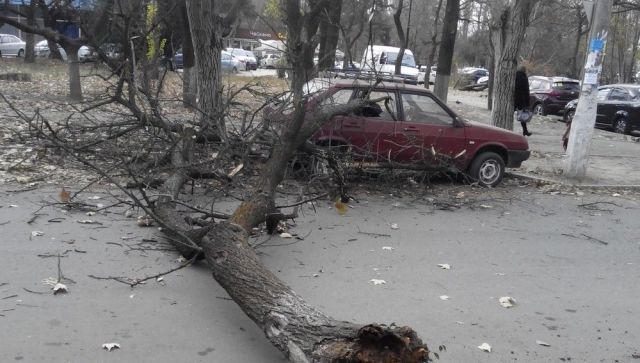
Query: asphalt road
x=572 y=267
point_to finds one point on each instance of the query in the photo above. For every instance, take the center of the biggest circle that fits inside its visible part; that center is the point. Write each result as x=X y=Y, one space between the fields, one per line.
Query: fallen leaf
x=485 y=347
x=544 y=344
x=378 y=282
x=444 y=297
x=160 y=279
x=13 y=206
x=145 y=221
x=235 y=170
x=507 y=301
x=64 y=195
x=444 y=266
x=37 y=233
x=59 y=288
x=87 y=221
x=285 y=235
x=181 y=259
x=394 y=226
x=341 y=207
x=615 y=195
x=485 y=206
x=460 y=195
x=387 y=248
x=109 y=346
x=128 y=213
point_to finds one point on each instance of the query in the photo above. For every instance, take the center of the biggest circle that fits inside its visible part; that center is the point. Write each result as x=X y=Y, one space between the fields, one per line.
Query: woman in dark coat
x=521 y=96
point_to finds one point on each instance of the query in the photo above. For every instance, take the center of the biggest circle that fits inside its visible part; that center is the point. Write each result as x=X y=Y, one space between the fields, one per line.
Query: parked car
x=422 y=74
x=549 y=95
x=469 y=78
x=270 y=61
x=230 y=63
x=174 y=63
x=85 y=53
x=11 y=46
x=618 y=108
x=244 y=56
x=410 y=128
x=382 y=59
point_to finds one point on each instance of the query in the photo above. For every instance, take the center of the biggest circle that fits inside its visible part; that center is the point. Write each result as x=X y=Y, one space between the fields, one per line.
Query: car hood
x=489 y=133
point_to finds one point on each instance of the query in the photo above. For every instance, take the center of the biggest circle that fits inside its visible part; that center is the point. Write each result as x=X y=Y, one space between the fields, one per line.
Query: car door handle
x=411 y=129
x=351 y=125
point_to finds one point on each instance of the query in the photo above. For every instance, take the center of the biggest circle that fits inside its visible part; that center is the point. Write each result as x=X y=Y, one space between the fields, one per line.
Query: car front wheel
x=487 y=169
x=621 y=125
x=538 y=109
x=568 y=117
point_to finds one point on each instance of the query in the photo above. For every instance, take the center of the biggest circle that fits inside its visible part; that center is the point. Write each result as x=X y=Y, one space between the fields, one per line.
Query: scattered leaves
x=59 y=288
x=444 y=297
x=444 y=266
x=387 y=248
x=377 y=282
x=485 y=347
x=394 y=226
x=507 y=301
x=37 y=233
x=64 y=195
x=110 y=346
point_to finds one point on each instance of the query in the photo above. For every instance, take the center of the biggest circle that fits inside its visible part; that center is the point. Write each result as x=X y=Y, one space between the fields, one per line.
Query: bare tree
x=329 y=34
x=445 y=54
x=508 y=25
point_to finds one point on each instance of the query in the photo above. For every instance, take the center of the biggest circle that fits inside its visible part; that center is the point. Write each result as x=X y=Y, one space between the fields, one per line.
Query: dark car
x=174 y=63
x=409 y=127
x=618 y=108
x=549 y=95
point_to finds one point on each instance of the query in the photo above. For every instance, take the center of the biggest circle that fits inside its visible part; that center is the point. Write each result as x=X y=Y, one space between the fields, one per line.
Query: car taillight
x=554 y=93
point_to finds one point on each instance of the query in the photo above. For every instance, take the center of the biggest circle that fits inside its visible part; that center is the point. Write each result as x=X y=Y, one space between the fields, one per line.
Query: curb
x=567 y=183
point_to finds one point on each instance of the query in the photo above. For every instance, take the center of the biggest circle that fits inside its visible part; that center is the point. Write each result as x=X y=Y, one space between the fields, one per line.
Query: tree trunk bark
x=206 y=33
x=29 y=54
x=447 y=44
x=401 y=37
x=508 y=27
x=75 y=87
x=434 y=46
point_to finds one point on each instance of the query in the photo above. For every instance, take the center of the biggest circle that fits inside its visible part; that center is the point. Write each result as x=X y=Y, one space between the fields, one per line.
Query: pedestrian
x=521 y=99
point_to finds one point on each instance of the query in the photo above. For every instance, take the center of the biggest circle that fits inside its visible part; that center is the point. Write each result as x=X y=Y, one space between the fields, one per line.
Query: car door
x=602 y=97
x=371 y=129
x=608 y=109
x=429 y=133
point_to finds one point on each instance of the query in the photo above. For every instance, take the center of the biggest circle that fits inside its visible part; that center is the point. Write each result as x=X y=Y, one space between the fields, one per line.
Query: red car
x=411 y=128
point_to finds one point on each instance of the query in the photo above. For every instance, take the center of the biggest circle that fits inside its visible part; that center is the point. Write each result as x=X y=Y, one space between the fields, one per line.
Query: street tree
x=447 y=44
x=509 y=21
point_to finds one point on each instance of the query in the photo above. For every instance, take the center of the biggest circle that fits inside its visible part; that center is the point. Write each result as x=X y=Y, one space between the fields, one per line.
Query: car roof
x=388 y=48
x=554 y=79
x=361 y=83
x=621 y=85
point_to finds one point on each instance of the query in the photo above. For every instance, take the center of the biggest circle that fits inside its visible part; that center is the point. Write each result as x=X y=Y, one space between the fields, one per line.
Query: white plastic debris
x=160 y=279
x=507 y=301
x=377 y=282
x=394 y=226
x=37 y=233
x=460 y=195
x=485 y=206
x=90 y=214
x=444 y=297
x=615 y=194
x=128 y=213
x=485 y=347
x=444 y=266
x=387 y=248
x=86 y=221
x=285 y=235
x=544 y=344
x=110 y=346
x=13 y=206
x=59 y=288
x=95 y=197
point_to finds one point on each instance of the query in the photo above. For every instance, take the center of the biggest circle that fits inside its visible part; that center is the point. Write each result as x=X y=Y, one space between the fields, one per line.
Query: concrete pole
x=585 y=116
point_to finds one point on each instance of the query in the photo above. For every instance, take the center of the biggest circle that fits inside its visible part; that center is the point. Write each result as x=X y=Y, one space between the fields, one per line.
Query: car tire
x=621 y=125
x=487 y=169
x=568 y=117
x=21 y=53
x=538 y=109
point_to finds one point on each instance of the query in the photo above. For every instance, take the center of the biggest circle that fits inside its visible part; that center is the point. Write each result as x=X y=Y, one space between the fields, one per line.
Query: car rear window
x=566 y=86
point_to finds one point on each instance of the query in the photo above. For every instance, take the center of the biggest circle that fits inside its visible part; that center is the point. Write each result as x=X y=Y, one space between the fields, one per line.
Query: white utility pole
x=585 y=117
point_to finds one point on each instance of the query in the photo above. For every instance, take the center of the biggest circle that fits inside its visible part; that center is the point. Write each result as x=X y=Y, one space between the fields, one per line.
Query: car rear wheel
x=21 y=53
x=487 y=169
x=621 y=125
x=538 y=109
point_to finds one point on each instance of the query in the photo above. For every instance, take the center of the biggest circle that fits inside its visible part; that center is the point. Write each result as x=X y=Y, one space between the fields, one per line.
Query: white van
x=382 y=59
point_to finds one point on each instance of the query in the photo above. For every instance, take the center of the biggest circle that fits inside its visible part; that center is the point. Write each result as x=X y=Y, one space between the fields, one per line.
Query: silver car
x=12 y=46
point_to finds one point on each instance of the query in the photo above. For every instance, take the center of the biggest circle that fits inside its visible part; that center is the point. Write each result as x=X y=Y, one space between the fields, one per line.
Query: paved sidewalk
x=614 y=160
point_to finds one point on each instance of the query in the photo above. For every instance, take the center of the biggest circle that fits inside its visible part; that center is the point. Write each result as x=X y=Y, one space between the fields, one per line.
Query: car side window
x=424 y=109
x=603 y=93
x=534 y=84
x=383 y=109
x=618 y=95
x=339 y=97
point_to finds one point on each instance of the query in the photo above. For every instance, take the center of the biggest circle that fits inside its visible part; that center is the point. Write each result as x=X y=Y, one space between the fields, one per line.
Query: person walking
x=521 y=99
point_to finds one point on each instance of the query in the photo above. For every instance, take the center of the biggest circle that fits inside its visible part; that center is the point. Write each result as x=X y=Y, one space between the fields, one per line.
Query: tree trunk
x=206 y=33
x=447 y=44
x=401 y=37
x=508 y=26
x=29 y=54
x=75 y=88
x=189 y=83
x=576 y=49
x=434 y=46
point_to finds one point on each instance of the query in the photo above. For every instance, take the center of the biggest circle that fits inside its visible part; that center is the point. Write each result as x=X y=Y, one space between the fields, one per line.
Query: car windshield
x=635 y=93
x=566 y=86
x=315 y=86
x=407 y=59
